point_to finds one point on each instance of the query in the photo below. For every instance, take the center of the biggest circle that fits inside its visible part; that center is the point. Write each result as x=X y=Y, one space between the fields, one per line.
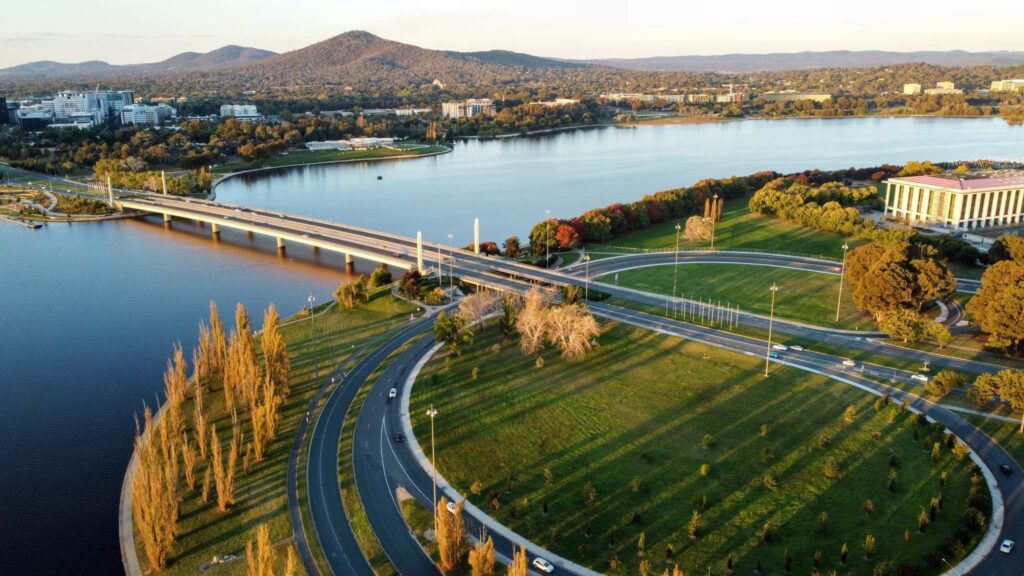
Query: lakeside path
x=229 y=175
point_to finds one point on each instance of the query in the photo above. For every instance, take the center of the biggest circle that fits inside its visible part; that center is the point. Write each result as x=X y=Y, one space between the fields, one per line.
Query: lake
x=90 y=311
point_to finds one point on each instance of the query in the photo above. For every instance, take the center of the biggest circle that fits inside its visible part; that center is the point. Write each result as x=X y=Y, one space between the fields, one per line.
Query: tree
x=698 y=229
x=567 y=237
x=983 y=391
x=176 y=391
x=477 y=306
x=481 y=558
x=453 y=329
x=510 y=307
x=940 y=333
x=518 y=566
x=260 y=559
x=511 y=248
x=693 y=527
x=532 y=320
x=353 y=294
x=904 y=324
x=998 y=307
x=381 y=276
x=1007 y=247
x=572 y=329
x=450 y=535
x=943 y=383
x=224 y=471
x=869 y=546
x=409 y=285
x=220 y=345
x=155 y=499
x=1011 y=389
x=276 y=361
x=542 y=236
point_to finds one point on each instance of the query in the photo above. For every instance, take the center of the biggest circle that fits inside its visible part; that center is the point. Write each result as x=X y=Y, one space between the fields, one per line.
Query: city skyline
x=571 y=30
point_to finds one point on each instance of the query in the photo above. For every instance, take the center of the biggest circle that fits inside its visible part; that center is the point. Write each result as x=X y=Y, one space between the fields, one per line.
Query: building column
x=947 y=207
x=1004 y=212
x=973 y=207
x=986 y=197
x=958 y=210
x=915 y=195
x=885 y=208
x=1019 y=210
x=925 y=209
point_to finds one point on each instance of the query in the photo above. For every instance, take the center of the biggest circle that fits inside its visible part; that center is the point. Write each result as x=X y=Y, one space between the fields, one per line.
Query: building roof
x=967 y=182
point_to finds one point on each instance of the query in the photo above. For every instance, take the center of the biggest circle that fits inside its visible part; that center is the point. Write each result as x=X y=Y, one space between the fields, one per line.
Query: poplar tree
x=275 y=350
x=518 y=566
x=481 y=558
x=155 y=501
x=450 y=535
x=199 y=420
x=260 y=559
x=176 y=391
x=224 y=472
x=188 y=459
x=219 y=348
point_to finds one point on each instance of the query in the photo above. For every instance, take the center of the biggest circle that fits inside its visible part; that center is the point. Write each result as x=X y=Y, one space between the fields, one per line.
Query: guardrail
x=631 y=249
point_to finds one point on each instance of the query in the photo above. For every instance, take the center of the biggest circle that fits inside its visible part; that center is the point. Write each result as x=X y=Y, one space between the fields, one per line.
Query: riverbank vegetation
x=602 y=469
x=221 y=446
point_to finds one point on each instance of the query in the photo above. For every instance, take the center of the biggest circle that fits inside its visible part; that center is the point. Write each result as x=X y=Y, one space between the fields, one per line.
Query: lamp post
x=842 y=275
x=547 y=237
x=675 y=271
x=312 y=332
x=433 y=462
x=451 y=265
x=714 y=218
x=586 y=276
x=771 y=317
x=951 y=567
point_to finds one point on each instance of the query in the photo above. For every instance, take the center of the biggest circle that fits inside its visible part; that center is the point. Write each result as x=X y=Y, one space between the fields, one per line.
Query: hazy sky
x=146 y=31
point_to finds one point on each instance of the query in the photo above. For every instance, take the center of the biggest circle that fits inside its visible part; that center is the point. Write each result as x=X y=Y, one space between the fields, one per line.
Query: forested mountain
x=224 y=57
x=805 y=60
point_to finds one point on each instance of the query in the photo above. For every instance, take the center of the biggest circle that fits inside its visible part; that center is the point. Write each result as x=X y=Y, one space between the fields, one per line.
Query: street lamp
x=771 y=317
x=433 y=462
x=951 y=567
x=586 y=276
x=714 y=218
x=675 y=271
x=451 y=265
x=842 y=274
x=312 y=332
x=547 y=237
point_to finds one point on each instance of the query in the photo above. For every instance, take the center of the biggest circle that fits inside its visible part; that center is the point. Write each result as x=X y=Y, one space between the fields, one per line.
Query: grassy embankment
x=299 y=157
x=261 y=495
x=630 y=421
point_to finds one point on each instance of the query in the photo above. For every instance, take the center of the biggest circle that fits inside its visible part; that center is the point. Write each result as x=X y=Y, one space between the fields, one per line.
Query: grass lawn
x=569 y=257
x=803 y=296
x=315 y=156
x=261 y=495
x=739 y=229
x=629 y=421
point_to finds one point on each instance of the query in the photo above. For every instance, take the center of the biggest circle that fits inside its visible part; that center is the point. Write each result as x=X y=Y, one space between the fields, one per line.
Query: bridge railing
x=634 y=250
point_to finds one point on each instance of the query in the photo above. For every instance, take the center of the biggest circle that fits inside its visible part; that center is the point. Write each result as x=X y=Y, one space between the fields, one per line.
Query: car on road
x=919 y=377
x=1006 y=547
x=1005 y=469
x=305 y=235
x=837 y=269
x=399 y=438
x=774 y=355
x=450 y=507
x=238 y=210
x=796 y=348
x=543 y=565
x=849 y=363
x=392 y=393
x=782 y=347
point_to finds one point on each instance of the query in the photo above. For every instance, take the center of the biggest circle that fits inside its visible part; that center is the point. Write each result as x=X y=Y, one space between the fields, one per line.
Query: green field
x=261 y=495
x=803 y=296
x=298 y=157
x=738 y=230
x=630 y=421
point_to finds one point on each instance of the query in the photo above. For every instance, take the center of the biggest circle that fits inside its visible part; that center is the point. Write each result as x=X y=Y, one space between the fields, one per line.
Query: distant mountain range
x=360 y=59
x=775 y=62
x=225 y=57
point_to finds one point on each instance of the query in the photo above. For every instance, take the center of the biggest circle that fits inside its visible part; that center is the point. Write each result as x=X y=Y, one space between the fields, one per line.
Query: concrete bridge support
x=280 y=243
x=350 y=263
x=215 y=231
x=167 y=218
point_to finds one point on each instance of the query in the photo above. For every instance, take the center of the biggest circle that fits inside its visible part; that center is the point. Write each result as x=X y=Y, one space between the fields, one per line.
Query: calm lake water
x=90 y=311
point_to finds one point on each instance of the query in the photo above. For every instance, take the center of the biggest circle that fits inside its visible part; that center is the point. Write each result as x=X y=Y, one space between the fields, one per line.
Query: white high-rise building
x=145 y=114
x=239 y=111
x=468 y=108
x=67 y=103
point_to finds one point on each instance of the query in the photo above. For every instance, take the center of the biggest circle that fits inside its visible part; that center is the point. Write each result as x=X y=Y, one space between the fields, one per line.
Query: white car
x=796 y=348
x=543 y=565
x=392 y=393
x=782 y=347
x=849 y=363
x=451 y=507
x=919 y=377
x=1006 y=547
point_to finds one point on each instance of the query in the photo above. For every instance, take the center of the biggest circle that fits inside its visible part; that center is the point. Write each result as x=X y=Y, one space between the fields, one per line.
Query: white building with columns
x=958 y=201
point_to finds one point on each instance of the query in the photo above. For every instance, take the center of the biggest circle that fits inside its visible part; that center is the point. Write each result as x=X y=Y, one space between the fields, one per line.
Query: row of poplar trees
x=180 y=452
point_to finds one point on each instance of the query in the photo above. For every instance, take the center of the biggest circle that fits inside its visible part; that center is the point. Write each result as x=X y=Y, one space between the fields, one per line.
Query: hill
x=224 y=57
x=807 y=60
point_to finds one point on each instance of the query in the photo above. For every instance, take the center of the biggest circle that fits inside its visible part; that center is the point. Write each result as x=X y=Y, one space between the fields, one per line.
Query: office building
x=557 y=102
x=793 y=96
x=351 y=144
x=1016 y=85
x=468 y=108
x=240 y=111
x=67 y=103
x=4 y=119
x=959 y=201
x=35 y=117
x=731 y=97
x=911 y=89
x=944 y=88
x=152 y=115
x=11 y=112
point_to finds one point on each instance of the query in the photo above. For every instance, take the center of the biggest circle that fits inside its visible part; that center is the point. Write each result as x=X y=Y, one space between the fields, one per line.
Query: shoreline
x=537 y=132
x=683 y=120
x=217 y=181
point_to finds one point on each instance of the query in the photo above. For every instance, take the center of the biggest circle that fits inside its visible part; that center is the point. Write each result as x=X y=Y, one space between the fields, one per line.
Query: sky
x=149 y=31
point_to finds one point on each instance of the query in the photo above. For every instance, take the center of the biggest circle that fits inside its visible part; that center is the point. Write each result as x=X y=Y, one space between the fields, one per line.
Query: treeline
x=133 y=174
x=998 y=307
x=183 y=451
x=517 y=118
x=828 y=207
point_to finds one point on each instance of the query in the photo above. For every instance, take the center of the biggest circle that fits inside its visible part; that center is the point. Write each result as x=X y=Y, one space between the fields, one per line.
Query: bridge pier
x=167 y=218
x=280 y=243
x=350 y=263
x=214 y=231
x=248 y=233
